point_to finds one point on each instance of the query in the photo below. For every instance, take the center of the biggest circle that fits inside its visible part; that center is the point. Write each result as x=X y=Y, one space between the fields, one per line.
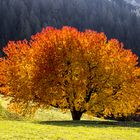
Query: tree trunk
x=76 y=115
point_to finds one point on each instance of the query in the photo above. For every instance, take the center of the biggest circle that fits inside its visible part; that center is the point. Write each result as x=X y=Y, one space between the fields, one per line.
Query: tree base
x=76 y=115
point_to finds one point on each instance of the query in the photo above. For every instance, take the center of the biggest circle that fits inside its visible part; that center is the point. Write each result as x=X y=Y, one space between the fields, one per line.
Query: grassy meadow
x=67 y=130
x=57 y=125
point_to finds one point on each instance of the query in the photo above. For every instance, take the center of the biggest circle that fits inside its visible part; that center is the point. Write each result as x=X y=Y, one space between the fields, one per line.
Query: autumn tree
x=68 y=69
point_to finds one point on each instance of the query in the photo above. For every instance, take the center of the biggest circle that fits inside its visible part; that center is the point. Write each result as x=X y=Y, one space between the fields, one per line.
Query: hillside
x=134 y=2
x=21 y=19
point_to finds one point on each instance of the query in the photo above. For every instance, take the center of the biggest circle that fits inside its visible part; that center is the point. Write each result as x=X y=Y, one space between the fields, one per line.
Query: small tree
x=68 y=69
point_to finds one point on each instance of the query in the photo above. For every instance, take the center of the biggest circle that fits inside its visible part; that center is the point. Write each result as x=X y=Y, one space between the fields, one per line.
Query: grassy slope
x=67 y=130
x=4 y=114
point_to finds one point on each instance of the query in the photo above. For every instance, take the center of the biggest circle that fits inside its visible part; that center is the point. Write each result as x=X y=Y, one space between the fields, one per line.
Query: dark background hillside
x=20 y=19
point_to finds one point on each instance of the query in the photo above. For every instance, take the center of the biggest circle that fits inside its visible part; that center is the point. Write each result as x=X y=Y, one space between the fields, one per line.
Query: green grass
x=68 y=130
x=56 y=125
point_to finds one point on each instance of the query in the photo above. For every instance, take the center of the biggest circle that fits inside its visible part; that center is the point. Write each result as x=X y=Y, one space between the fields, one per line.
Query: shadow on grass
x=91 y=123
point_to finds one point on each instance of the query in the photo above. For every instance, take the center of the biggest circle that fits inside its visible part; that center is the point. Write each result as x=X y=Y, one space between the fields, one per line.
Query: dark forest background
x=20 y=19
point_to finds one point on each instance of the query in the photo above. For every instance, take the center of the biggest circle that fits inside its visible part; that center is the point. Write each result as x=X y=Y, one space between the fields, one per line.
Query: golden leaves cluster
x=72 y=70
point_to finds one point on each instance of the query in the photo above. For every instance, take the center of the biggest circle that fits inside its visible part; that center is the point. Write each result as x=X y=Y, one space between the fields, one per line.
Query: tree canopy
x=69 y=69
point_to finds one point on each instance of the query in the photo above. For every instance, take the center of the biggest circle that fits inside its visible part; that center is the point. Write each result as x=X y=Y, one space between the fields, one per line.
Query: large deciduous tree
x=68 y=69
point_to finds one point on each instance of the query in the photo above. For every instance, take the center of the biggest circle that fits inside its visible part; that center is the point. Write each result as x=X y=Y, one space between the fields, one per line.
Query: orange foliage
x=68 y=69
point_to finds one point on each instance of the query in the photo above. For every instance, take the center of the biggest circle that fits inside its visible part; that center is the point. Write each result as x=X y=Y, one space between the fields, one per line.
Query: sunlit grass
x=57 y=125
x=67 y=130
